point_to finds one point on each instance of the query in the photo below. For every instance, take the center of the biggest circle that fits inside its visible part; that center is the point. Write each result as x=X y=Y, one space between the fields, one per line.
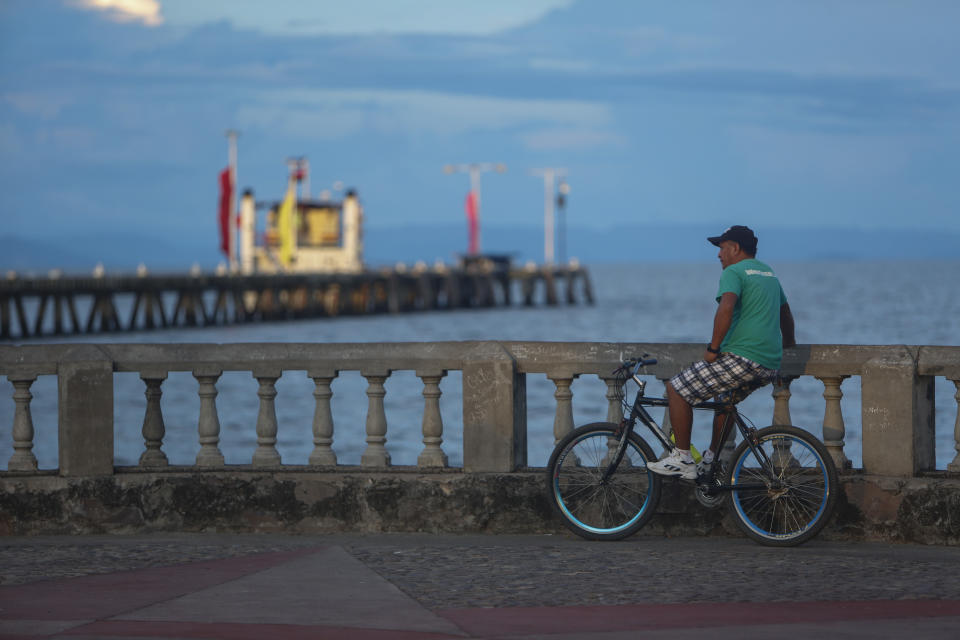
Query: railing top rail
x=805 y=359
x=939 y=361
x=252 y=356
x=550 y=358
x=24 y=359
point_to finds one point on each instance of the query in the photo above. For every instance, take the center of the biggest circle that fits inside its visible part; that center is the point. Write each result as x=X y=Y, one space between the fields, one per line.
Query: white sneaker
x=674 y=465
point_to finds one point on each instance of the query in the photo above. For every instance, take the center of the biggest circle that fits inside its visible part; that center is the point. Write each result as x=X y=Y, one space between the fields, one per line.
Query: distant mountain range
x=408 y=244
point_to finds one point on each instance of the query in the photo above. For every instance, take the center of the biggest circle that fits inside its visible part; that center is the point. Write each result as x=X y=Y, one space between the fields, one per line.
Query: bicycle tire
x=591 y=508
x=802 y=505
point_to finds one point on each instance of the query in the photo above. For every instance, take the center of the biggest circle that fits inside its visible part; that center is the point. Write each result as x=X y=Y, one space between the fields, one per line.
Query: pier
x=897 y=495
x=70 y=305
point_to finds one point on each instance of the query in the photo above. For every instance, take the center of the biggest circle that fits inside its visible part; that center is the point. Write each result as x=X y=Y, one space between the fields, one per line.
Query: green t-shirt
x=755 y=331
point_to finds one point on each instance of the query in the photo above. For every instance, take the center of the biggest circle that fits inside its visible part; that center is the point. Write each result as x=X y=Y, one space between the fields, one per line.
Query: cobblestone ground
x=446 y=571
x=24 y=560
x=659 y=570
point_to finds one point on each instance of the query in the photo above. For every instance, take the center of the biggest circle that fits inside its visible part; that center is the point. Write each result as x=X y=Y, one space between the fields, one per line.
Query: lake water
x=832 y=302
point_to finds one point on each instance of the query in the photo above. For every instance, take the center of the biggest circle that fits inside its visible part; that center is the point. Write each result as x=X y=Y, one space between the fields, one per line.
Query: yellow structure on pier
x=309 y=236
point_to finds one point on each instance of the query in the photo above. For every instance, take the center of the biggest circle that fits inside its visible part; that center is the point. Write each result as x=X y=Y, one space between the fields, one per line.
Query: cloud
x=824 y=158
x=11 y=141
x=145 y=11
x=67 y=138
x=323 y=114
x=41 y=104
x=562 y=65
x=579 y=139
x=308 y=17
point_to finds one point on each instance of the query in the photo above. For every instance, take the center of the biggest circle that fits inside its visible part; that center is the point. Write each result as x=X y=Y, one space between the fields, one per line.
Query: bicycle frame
x=780 y=486
x=639 y=412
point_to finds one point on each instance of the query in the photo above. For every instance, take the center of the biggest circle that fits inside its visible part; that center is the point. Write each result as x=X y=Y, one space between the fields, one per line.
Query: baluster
x=955 y=465
x=781 y=416
x=563 y=418
x=781 y=402
x=432 y=454
x=23 y=458
x=834 y=431
x=614 y=393
x=376 y=454
x=153 y=427
x=209 y=424
x=614 y=415
x=266 y=454
x=323 y=453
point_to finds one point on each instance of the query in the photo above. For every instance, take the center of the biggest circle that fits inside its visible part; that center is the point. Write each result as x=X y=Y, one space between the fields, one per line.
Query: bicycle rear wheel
x=590 y=506
x=799 y=496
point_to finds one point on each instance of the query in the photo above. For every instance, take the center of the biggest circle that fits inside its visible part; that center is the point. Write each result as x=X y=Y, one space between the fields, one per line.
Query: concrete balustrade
x=897 y=389
x=897 y=415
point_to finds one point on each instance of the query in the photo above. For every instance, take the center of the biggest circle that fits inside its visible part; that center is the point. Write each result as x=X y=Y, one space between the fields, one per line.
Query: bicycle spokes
x=782 y=485
x=596 y=498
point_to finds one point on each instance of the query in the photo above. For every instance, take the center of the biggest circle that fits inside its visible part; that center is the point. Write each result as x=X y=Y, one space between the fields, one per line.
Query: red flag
x=473 y=225
x=226 y=191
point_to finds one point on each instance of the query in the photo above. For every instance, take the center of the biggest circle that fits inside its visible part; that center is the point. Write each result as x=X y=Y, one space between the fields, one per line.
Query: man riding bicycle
x=751 y=327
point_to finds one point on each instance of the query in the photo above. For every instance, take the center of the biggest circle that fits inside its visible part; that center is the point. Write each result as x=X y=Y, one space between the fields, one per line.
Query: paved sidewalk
x=418 y=586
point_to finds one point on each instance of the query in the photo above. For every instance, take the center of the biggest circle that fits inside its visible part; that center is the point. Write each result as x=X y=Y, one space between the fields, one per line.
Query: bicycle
x=780 y=483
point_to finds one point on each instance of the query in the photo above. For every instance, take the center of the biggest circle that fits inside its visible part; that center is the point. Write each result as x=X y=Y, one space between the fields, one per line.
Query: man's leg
x=681 y=417
x=678 y=463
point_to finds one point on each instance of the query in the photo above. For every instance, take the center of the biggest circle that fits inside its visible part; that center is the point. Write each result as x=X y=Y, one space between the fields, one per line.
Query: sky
x=772 y=113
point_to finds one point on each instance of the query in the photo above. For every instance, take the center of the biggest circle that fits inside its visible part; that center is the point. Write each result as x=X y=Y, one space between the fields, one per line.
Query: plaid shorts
x=729 y=373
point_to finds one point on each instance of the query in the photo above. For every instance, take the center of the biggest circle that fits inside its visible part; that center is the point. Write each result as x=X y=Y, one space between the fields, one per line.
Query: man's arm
x=721 y=322
x=786 y=326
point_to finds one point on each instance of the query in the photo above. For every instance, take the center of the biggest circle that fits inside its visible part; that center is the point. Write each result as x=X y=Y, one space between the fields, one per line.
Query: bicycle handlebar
x=635 y=364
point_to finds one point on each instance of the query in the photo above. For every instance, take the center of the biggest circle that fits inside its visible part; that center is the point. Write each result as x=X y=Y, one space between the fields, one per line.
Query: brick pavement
x=394 y=587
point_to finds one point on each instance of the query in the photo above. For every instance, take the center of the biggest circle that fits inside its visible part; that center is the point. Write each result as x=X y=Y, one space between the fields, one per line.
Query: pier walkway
x=436 y=587
x=58 y=305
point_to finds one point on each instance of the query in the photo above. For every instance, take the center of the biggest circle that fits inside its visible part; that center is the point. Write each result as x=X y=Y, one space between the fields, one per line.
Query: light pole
x=475 y=169
x=549 y=174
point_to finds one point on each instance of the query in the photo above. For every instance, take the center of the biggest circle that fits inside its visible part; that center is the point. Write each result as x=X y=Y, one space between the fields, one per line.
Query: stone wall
x=921 y=510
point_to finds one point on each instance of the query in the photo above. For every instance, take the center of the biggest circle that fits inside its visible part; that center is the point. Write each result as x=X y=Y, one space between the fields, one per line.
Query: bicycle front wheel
x=592 y=503
x=790 y=488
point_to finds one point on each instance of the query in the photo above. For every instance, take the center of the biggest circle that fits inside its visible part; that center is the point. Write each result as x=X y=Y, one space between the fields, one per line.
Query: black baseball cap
x=741 y=235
